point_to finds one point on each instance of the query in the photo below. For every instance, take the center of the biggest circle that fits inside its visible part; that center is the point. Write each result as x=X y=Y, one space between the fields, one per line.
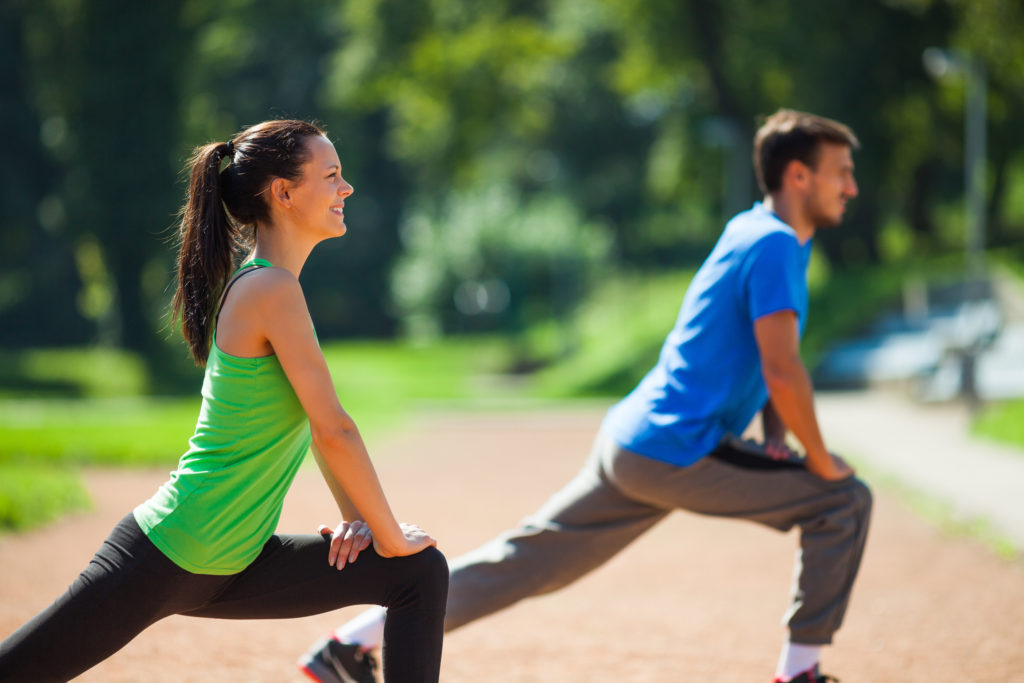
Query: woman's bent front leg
x=292 y=578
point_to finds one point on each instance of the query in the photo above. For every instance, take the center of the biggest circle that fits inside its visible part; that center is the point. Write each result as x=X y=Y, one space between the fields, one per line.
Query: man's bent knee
x=862 y=497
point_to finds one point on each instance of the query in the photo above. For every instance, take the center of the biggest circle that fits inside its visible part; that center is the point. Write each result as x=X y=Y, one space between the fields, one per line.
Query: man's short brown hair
x=789 y=135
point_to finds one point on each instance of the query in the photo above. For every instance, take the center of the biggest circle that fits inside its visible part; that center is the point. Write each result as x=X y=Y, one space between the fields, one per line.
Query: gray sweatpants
x=619 y=494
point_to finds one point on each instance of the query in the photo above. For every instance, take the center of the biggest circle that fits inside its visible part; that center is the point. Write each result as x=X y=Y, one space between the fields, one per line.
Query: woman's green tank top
x=220 y=506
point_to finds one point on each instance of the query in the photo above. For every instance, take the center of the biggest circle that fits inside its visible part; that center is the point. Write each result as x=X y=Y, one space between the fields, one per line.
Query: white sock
x=796 y=659
x=366 y=630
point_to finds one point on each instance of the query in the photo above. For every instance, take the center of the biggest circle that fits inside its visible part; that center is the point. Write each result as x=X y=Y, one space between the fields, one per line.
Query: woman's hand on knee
x=348 y=539
x=414 y=539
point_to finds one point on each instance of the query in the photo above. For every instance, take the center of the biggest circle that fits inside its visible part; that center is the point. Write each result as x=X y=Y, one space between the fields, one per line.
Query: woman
x=204 y=545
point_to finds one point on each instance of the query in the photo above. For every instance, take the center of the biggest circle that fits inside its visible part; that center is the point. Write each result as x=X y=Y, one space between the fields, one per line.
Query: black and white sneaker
x=811 y=676
x=331 y=661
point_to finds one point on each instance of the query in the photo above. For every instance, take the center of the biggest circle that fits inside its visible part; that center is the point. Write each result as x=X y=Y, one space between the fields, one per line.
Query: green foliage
x=495 y=260
x=128 y=430
x=617 y=333
x=34 y=495
x=379 y=383
x=383 y=383
x=635 y=116
x=455 y=77
x=96 y=372
x=110 y=126
x=846 y=301
x=619 y=330
x=895 y=241
x=1003 y=422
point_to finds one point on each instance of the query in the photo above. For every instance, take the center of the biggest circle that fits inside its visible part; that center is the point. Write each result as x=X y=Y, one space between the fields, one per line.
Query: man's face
x=831 y=185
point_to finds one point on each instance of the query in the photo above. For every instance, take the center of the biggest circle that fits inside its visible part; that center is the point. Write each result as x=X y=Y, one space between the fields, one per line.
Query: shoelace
x=359 y=656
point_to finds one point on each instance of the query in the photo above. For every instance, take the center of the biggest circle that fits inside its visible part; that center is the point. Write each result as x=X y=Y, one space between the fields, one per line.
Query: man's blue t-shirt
x=708 y=380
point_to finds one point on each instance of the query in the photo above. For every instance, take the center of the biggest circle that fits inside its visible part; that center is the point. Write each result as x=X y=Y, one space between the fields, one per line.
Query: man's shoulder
x=756 y=232
x=757 y=223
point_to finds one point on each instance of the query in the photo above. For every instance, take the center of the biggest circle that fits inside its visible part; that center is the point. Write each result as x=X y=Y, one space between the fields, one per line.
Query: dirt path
x=694 y=600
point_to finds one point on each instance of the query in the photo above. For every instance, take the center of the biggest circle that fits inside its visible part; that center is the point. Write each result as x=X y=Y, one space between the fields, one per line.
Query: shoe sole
x=319 y=673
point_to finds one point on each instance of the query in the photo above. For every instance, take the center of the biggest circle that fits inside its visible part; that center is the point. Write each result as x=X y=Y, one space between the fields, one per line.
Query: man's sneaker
x=810 y=676
x=330 y=661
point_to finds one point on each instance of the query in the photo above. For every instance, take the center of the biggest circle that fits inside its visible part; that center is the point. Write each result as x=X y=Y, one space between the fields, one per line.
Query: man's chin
x=826 y=222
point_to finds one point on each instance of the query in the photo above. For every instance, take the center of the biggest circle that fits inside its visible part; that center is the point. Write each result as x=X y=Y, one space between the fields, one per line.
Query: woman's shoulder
x=266 y=288
x=266 y=280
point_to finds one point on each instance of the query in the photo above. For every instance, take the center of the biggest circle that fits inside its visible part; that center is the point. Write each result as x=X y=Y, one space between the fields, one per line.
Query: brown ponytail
x=209 y=240
x=223 y=208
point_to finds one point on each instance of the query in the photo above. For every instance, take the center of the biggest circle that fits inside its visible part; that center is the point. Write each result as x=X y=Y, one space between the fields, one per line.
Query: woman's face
x=318 y=197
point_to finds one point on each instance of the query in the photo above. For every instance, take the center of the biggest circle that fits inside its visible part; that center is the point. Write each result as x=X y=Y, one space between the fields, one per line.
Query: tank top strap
x=247 y=266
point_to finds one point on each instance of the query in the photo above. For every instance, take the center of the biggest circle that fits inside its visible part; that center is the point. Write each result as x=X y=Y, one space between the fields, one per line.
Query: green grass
x=134 y=430
x=85 y=372
x=617 y=333
x=102 y=419
x=32 y=495
x=614 y=337
x=383 y=383
x=379 y=383
x=844 y=303
x=1002 y=422
x=88 y=406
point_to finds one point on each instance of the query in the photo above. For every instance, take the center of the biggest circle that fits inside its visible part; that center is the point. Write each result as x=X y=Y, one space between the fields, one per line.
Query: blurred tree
x=107 y=78
x=990 y=31
x=636 y=115
x=37 y=272
x=494 y=261
x=859 y=63
x=255 y=61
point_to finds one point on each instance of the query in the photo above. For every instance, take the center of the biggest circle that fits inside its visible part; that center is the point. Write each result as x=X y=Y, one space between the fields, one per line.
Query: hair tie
x=230 y=151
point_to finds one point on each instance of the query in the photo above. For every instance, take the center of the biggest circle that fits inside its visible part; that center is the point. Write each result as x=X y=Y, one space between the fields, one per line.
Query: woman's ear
x=280 y=192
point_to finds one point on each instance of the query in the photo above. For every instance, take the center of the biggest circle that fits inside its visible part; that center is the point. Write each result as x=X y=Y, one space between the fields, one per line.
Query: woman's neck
x=277 y=246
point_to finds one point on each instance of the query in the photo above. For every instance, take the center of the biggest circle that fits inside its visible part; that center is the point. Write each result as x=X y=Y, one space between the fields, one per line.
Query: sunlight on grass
x=30 y=496
x=86 y=372
x=379 y=383
x=111 y=431
x=616 y=336
x=88 y=406
x=1002 y=422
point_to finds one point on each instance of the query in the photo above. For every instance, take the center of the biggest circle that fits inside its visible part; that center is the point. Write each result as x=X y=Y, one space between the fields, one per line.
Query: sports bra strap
x=246 y=267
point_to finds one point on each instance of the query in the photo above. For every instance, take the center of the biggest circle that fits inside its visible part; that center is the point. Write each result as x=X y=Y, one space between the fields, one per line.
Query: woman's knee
x=432 y=568
x=424 y=578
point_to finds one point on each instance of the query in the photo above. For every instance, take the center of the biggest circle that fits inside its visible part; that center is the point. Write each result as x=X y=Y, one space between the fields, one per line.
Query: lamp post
x=942 y=64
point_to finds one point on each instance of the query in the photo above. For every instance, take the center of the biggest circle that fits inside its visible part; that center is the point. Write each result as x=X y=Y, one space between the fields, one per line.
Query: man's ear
x=280 y=192
x=797 y=174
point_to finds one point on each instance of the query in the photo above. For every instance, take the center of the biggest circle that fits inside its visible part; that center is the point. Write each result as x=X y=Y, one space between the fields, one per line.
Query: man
x=671 y=444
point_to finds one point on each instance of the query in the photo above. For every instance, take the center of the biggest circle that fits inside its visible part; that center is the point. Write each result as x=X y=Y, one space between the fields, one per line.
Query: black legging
x=130 y=584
